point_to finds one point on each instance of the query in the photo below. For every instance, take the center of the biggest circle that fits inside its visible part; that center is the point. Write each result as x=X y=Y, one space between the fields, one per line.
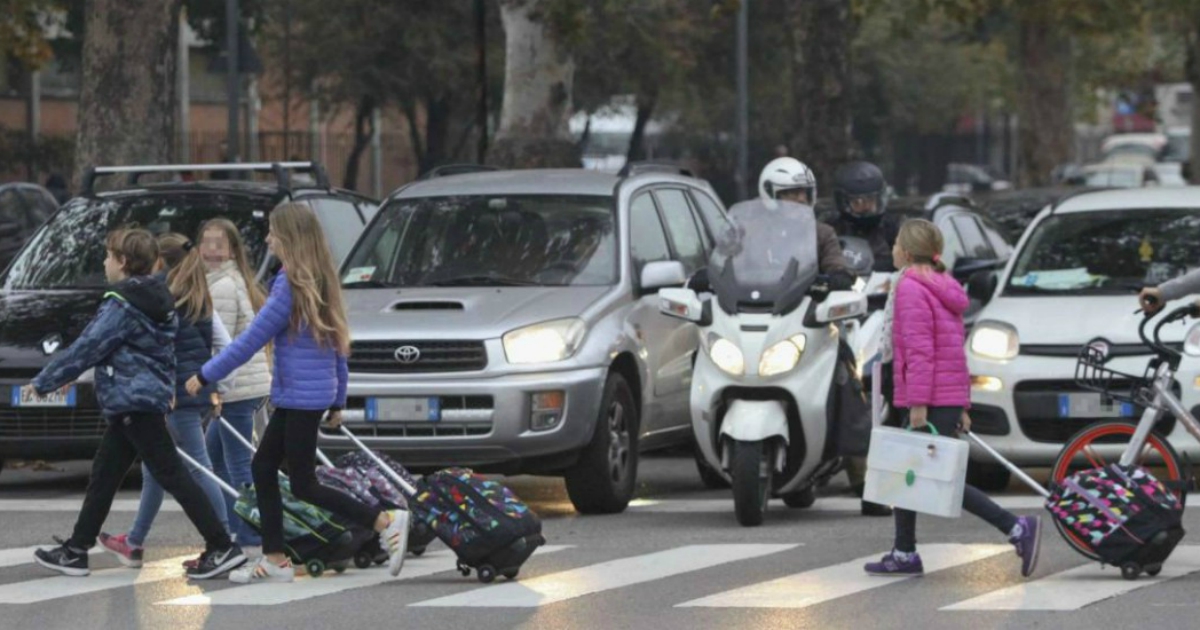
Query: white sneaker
x=263 y=571
x=394 y=538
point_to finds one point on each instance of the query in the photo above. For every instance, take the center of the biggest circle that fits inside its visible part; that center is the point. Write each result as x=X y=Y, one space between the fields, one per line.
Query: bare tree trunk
x=127 y=94
x=637 y=142
x=538 y=79
x=364 y=128
x=821 y=82
x=1043 y=102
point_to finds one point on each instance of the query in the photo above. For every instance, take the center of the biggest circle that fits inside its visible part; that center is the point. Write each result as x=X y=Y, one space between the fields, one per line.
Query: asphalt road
x=676 y=559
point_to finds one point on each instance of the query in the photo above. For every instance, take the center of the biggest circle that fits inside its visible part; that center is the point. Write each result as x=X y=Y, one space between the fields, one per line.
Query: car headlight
x=726 y=354
x=1191 y=343
x=995 y=341
x=782 y=357
x=546 y=342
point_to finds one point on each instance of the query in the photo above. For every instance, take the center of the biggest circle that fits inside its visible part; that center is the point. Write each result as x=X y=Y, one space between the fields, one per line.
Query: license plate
x=403 y=409
x=28 y=398
x=1090 y=405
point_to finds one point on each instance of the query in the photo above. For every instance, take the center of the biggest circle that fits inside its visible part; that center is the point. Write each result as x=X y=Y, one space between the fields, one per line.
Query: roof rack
x=637 y=168
x=455 y=169
x=280 y=169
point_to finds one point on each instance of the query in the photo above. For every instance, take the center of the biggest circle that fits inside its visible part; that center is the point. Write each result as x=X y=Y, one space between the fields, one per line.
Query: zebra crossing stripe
x=829 y=504
x=832 y=582
x=596 y=578
x=58 y=587
x=1078 y=587
x=434 y=562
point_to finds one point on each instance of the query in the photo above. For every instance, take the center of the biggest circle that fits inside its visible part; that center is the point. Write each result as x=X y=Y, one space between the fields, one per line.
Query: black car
x=54 y=285
x=23 y=209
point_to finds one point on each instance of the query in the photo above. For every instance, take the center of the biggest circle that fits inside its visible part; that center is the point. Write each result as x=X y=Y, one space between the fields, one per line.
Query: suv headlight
x=547 y=342
x=995 y=341
x=783 y=356
x=725 y=354
x=1191 y=343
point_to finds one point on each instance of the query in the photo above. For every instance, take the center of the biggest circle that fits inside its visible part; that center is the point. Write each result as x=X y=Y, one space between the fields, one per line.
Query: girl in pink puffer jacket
x=933 y=386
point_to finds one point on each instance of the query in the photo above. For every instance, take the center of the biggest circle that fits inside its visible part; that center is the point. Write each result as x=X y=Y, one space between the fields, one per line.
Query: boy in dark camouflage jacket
x=130 y=345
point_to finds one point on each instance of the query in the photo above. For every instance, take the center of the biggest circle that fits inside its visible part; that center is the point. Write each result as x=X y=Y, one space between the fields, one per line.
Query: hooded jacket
x=231 y=303
x=130 y=342
x=927 y=335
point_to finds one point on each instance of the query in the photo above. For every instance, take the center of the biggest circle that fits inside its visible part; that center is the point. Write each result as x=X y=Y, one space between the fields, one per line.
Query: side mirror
x=964 y=268
x=841 y=305
x=662 y=274
x=982 y=285
x=681 y=304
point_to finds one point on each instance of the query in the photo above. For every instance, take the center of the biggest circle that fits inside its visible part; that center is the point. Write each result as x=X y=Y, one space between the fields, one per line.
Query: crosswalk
x=1072 y=589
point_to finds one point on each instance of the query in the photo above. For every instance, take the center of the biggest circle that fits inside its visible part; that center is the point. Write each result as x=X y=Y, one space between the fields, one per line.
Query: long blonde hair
x=186 y=276
x=316 y=292
x=923 y=241
x=237 y=251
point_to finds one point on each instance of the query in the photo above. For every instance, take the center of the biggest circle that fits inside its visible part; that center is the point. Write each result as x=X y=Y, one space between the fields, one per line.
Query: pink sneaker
x=119 y=546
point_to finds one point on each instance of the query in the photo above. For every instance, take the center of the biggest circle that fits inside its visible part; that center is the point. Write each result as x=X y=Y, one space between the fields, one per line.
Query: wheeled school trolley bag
x=420 y=535
x=488 y=527
x=1121 y=516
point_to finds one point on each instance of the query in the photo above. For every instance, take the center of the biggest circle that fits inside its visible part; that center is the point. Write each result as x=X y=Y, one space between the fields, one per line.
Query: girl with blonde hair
x=305 y=318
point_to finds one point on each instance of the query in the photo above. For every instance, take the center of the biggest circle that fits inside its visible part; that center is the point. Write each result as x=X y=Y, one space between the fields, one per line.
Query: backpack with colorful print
x=1116 y=511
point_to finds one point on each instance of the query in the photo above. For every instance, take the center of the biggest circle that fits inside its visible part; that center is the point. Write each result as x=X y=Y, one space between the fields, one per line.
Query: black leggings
x=946 y=419
x=291 y=435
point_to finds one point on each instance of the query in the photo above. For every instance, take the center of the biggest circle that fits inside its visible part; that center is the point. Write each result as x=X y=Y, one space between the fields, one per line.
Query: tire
x=987 y=476
x=750 y=488
x=363 y=560
x=1171 y=471
x=315 y=568
x=711 y=479
x=602 y=481
x=486 y=574
x=802 y=499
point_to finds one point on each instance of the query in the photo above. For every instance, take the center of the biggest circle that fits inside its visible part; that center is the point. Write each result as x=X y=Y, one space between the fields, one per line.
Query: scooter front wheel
x=751 y=482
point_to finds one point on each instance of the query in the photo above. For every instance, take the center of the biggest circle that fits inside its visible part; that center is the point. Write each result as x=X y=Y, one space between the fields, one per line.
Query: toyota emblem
x=408 y=354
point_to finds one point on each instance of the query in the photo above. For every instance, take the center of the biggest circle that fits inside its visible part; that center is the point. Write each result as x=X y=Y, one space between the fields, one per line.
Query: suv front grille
x=461 y=416
x=380 y=357
x=81 y=421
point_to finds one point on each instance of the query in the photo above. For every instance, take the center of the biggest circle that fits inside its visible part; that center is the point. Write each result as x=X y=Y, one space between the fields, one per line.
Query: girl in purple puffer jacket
x=305 y=319
x=933 y=386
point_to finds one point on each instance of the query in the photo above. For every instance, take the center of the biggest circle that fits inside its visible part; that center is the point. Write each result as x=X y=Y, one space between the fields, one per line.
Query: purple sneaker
x=891 y=566
x=1028 y=543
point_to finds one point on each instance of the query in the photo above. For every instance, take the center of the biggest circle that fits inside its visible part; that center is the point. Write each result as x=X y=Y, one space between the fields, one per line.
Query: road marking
x=832 y=582
x=58 y=587
x=831 y=504
x=328 y=584
x=614 y=574
x=1079 y=587
x=24 y=555
x=73 y=505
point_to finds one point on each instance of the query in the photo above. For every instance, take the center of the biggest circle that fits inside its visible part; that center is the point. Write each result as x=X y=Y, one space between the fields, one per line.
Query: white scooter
x=764 y=374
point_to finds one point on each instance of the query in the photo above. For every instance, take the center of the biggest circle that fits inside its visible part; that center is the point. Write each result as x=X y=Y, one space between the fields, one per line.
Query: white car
x=1073 y=282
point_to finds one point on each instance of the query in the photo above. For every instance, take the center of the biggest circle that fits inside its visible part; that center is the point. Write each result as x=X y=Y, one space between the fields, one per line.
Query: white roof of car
x=1133 y=198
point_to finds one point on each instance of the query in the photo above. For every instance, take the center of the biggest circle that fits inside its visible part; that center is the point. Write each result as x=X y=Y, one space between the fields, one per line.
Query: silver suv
x=508 y=321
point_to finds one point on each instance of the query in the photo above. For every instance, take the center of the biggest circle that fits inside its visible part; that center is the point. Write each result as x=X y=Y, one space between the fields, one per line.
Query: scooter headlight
x=726 y=355
x=782 y=357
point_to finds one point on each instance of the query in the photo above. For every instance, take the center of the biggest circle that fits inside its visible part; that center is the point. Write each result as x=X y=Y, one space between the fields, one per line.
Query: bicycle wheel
x=1101 y=444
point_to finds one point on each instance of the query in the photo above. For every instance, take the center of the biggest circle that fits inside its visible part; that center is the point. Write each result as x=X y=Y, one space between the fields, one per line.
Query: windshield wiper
x=475 y=280
x=368 y=284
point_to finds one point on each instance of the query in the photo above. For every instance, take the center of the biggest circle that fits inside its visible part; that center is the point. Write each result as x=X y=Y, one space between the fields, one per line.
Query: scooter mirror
x=841 y=305
x=681 y=304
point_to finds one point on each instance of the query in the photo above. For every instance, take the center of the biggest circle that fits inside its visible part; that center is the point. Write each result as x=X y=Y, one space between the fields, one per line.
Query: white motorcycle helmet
x=782 y=174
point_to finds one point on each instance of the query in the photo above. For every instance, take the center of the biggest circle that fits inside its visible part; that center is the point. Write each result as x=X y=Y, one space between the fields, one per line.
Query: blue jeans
x=185 y=428
x=231 y=460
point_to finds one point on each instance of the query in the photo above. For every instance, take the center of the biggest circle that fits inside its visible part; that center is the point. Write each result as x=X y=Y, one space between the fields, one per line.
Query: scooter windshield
x=769 y=261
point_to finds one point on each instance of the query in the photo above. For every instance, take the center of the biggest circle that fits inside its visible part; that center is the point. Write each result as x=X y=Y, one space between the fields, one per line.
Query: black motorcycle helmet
x=860 y=193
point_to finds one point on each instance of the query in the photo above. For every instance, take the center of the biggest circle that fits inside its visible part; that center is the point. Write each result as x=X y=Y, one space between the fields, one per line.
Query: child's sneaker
x=892 y=565
x=129 y=555
x=263 y=571
x=63 y=559
x=214 y=563
x=394 y=539
x=1028 y=541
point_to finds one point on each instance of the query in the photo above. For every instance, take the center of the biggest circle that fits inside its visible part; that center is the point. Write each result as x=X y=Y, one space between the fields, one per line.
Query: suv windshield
x=485 y=240
x=1110 y=252
x=68 y=252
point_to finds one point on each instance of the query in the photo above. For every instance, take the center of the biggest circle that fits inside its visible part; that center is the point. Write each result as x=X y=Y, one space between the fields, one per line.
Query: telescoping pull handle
x=408 y=488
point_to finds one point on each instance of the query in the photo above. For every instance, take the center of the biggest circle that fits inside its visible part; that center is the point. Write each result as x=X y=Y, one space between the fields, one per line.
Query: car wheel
x=987 y=476
x=602 y=481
